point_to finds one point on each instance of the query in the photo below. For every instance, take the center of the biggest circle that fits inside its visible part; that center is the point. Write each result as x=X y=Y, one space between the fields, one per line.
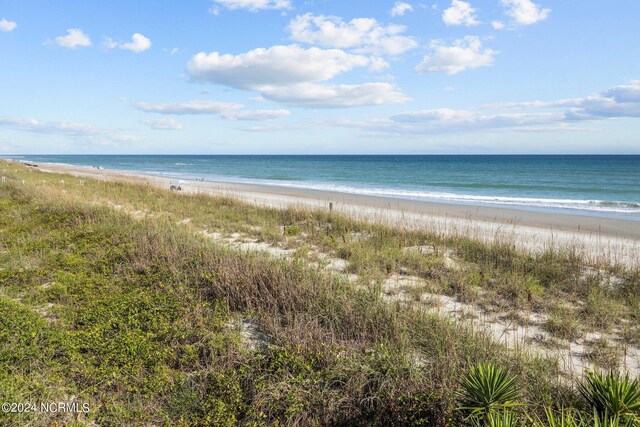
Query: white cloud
x=253 y=5
x=445 y=120
x=38 y=126
x=564 y=115
x=74 y=38
x=434 y=115
x=497 y=25
x=463 y=54
x=277 y=65
x=377 y=64
x=460 y=13
x=225 y=110
x=256 y=115
x=625 y=93
x=622 y=101
x=534 y=104
x=291 y=75
x=163 y=124
x=525 y=12
x=619 y=101
x=365 y=35
x=189 y=107
x=312 y=95
x=400 y=8
x=7 y=26
x=75 y=130
x=138 y=43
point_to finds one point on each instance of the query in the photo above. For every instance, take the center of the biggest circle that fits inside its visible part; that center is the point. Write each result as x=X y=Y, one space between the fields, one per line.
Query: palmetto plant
x=488 y=389
x=612 y=394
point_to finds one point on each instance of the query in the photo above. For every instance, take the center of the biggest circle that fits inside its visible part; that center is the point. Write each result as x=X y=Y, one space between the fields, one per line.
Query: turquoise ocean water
x=591 y=185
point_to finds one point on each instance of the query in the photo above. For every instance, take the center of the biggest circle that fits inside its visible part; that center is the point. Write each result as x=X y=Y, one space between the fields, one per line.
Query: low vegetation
x=117 y=295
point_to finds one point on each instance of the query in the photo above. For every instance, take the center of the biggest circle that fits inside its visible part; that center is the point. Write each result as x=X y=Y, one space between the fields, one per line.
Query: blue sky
x=319 y=76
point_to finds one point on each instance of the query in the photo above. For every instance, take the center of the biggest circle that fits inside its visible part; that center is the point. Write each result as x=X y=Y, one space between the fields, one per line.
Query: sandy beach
x=617 y=240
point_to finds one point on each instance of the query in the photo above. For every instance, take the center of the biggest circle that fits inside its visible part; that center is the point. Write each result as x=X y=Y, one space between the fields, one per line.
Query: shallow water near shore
x=607 y=186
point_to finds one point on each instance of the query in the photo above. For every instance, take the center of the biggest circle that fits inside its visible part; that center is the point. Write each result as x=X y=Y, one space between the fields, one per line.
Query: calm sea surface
x=594 y=185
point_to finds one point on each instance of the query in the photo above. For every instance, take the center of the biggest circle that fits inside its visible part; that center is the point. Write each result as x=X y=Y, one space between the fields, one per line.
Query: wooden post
x=330 y=207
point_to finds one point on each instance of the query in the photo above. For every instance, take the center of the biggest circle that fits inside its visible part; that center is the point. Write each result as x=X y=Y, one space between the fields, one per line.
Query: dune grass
x=143 y=318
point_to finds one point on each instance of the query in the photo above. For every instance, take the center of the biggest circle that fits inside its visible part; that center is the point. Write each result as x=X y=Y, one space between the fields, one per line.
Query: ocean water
x=591 y=185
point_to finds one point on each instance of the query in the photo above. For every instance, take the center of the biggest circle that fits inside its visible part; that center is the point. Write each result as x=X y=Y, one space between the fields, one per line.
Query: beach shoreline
x=595 y=236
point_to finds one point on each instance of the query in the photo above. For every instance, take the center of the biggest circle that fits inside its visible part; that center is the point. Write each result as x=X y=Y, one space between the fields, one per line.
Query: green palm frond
x=488 y=389
x=612 y=394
